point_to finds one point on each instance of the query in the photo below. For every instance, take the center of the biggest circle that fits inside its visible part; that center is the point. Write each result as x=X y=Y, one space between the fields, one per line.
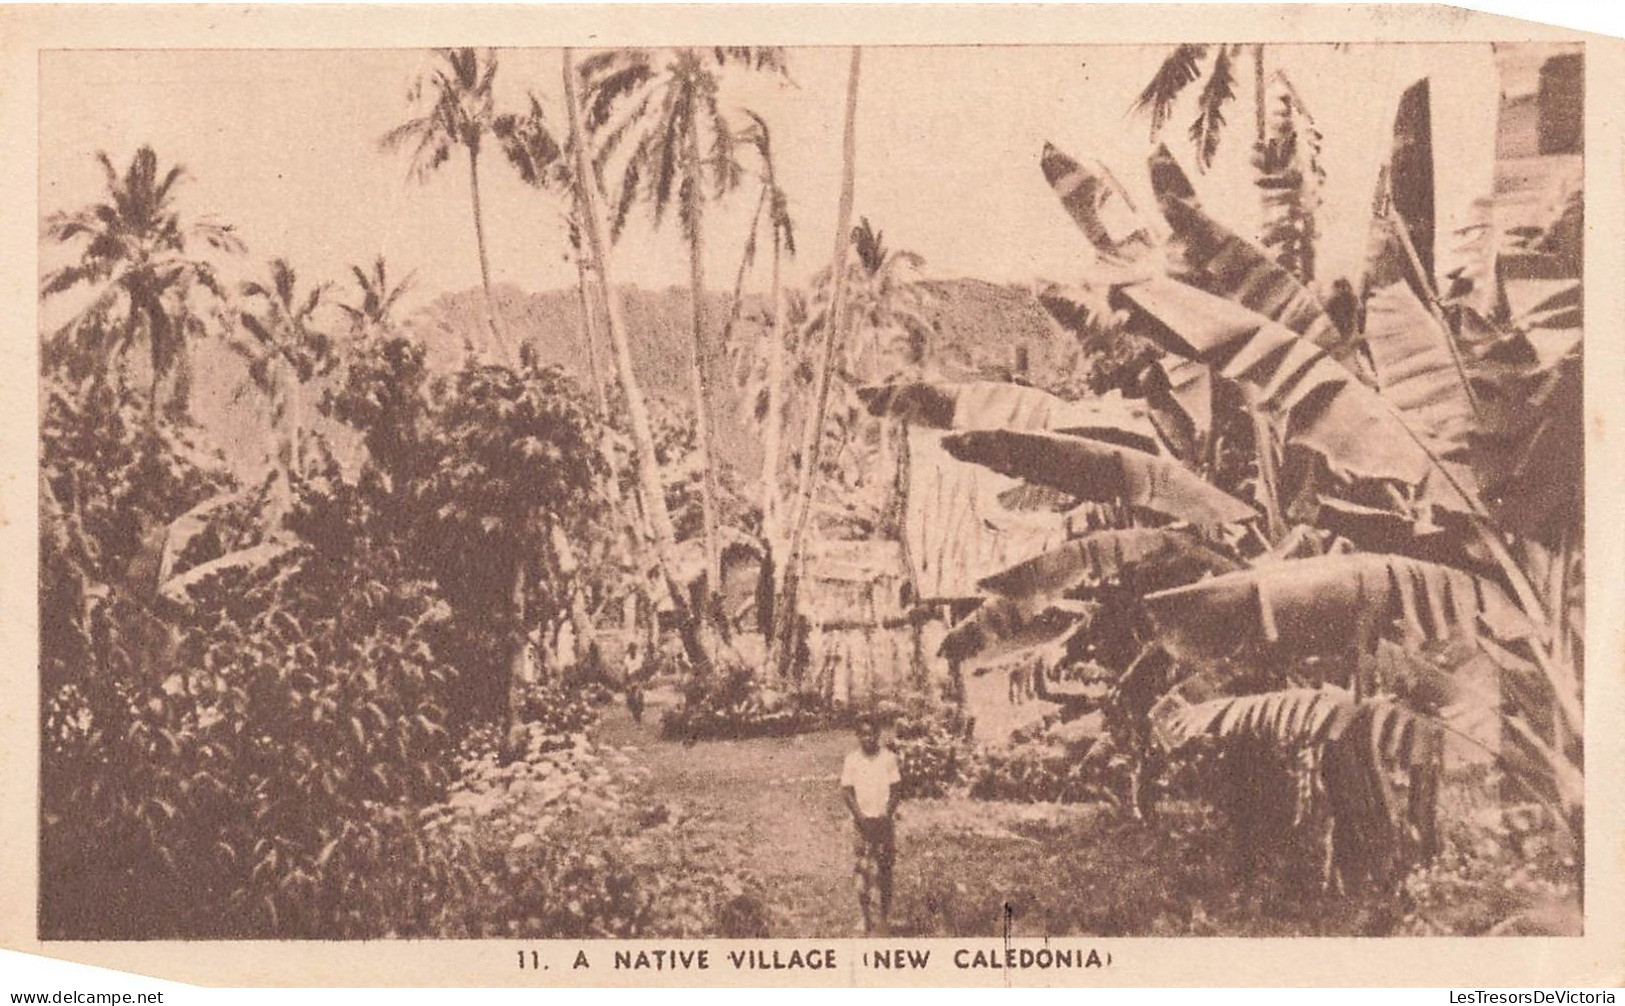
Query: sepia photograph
x=835 y=497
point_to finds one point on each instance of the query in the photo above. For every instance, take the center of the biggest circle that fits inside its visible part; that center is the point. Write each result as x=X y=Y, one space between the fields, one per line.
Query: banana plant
x=1373 y=427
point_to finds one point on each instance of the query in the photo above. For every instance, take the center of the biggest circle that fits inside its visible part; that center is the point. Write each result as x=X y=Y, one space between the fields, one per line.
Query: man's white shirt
x=871 y=780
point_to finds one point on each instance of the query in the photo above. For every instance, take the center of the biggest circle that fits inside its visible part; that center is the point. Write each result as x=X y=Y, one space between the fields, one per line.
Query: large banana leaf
x=1315 y=401
x=256 y=556
x=1309 y=717
x=1182 y=408
x=1291 y=718
x=1150 y=555
x=997 y=405
x=1094 y=470
x=1209 y=256
x=1329 y=605
x=1098 y=205
x=954 y=524
x=183 y=530
x=1033 y=601
x=1410 y=169
x=956 y=529
x=1006 y=625
x=1418 y=370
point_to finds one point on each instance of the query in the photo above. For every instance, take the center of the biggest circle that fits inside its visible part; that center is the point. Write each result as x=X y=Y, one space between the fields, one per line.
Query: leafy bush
x=732 y=703
x=933 y=754
x=549 y=710
x=559 y=844
x=247 y=775
x=1501 y=869
x=1040 y=771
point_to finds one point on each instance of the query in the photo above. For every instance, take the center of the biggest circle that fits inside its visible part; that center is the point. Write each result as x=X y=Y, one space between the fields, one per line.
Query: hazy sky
x=284 y=144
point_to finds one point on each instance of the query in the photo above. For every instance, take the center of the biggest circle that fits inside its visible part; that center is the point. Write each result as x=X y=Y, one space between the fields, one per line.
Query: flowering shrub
x=551 y=710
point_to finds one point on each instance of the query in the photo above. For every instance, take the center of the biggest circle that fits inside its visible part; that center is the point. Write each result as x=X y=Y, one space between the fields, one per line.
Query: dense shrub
x=932 y=752
x=250 y=775
x=1054 y=766
x=1502 y=869
x=558 y=844
x=557 y=713
x=732 y=703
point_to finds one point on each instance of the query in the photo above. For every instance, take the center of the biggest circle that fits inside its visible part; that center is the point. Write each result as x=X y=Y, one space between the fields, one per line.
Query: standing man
x=871 y=783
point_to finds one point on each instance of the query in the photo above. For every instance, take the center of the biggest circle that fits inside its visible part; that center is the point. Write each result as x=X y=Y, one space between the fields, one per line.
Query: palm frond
x=1178 y=70
x=603 y=92
x=1218 y=92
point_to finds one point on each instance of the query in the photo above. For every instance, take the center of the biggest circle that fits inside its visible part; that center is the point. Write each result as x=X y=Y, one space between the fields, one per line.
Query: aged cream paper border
x=1597 y=959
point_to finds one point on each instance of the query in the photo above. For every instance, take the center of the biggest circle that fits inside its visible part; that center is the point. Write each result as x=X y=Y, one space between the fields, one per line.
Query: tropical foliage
x=146 y=274
x=1287 y=564
x=457 y=108
x=1355 y=577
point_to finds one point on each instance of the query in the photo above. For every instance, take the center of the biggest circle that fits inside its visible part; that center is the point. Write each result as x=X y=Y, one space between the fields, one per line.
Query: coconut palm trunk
x=784 y=608
x=648 y=466
x=293 y=418
x=632 y=519
x=485 y=259
x=581 y=623
x=589 y=334
x=701 y=377
x=772 y=445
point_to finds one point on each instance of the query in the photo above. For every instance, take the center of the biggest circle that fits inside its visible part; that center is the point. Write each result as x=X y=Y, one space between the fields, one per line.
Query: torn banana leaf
x=1095 y=470
x=1149 y=555
x=1315 y=401
x=1330 y=605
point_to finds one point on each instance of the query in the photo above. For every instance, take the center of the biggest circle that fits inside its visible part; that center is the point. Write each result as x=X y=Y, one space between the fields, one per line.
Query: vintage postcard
x=1083 y=496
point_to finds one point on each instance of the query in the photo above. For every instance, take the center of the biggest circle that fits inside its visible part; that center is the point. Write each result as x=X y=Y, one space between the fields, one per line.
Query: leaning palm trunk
x=631 y=515
x=485 y=260
x=1260 y=96
x=701 y=375
x=589 y=335
x=784 y=608
x=772 y=447
x=648 y=467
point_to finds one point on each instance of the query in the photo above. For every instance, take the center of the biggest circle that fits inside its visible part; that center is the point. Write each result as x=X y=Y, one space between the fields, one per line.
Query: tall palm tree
x=139 y=259
x=776 y=206
x=681 y=149
x=888 y=331
x=545 y=164
x=652 y=492
x=374 y=309
x=458 y=102
x=782 y=646
x=285 y=352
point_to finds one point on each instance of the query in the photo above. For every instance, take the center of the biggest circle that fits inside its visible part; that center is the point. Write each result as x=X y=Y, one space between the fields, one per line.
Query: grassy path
x=965 y=868
x=772 y=801
x=772 y=806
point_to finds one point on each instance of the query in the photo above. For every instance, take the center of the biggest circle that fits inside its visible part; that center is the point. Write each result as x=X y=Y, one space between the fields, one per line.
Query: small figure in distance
x=634 y=701
x=634 y=682
x=871 y=785
x=1021 y=683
